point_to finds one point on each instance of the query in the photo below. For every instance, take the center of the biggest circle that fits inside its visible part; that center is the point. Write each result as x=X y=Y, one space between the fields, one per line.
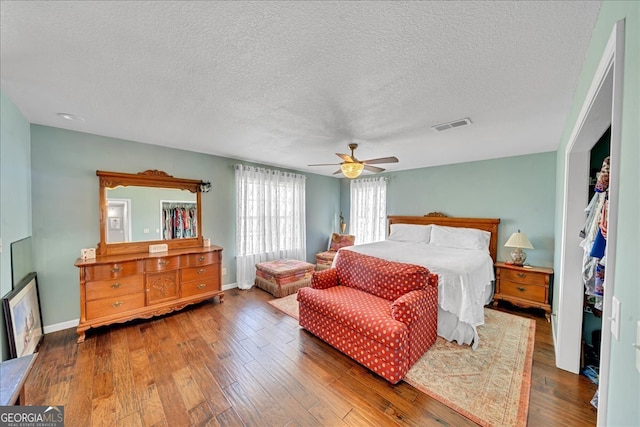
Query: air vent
x=454 y=124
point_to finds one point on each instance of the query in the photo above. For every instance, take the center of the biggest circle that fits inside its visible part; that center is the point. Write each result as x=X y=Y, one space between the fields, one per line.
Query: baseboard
x=229 y=286
x=61 y=326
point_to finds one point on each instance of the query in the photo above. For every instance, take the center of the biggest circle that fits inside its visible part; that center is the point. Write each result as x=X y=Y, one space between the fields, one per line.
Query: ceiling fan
x=352 y=167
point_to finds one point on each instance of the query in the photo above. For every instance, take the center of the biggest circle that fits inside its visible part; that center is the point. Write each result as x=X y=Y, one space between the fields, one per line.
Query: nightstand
x=523 y=286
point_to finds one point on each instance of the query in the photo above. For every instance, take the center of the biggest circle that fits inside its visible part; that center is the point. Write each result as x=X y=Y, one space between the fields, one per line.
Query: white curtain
x=368 y=209
x=270 y=219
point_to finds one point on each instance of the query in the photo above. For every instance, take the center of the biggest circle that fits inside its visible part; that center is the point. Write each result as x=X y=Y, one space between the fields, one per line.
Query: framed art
x=23 y=317
x=115 y=222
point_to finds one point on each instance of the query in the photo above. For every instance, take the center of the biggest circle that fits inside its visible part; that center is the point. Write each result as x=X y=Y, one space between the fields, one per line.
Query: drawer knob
x=201 y=286
x=522 y=275
x=521 y=289
x=117 y=304
x=116 y=269
x=163 y=262
x=201 y=258
x=116 y=285
x=201 y=271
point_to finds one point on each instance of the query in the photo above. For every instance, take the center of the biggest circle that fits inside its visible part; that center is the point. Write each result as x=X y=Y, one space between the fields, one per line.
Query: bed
x=463 y=260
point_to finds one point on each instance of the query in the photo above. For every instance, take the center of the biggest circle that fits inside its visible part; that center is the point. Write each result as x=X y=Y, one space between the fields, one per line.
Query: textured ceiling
x=291 y=83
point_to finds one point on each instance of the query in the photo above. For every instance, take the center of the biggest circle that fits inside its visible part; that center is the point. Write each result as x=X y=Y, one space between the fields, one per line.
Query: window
x=368 y=209
x=270 y=216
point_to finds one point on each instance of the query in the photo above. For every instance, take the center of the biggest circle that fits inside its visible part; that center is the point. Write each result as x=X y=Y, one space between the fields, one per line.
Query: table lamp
x=518 y=241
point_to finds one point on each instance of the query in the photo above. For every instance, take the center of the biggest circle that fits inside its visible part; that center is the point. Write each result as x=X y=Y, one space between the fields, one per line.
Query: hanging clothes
x=179 y=221
x=594 y=241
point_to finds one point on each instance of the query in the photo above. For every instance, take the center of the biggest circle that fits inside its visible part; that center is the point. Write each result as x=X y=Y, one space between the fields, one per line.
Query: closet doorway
x=602 y=108
x=119 y=220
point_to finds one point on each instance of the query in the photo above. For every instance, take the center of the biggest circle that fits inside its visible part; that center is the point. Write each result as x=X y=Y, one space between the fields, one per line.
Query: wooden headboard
x=487 y=224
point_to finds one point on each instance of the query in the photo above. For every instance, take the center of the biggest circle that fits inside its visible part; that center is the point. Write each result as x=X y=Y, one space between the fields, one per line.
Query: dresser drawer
x=526 y=278
x=535 y=293
x=199 y=273
x=114 y=287
x=116 y=305
x=199 y=287
x=113 y=270
x=162 y=264
x=194 y=260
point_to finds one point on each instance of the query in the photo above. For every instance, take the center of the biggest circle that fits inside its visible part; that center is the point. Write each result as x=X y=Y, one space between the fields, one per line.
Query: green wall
x=15 y=193
x=519 y=190
x=624 y=380
x=65 y=204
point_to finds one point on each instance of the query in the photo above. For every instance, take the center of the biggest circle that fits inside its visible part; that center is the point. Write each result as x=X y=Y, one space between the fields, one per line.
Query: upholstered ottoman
x=283 y=277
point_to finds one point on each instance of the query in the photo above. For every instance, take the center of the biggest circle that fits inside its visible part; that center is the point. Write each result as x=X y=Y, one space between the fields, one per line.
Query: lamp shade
x=519 y=240
x=352 y=170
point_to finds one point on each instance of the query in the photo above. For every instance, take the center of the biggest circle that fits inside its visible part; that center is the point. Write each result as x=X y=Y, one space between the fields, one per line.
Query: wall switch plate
x=162 y=247
x=224 y=271
x=615 y=318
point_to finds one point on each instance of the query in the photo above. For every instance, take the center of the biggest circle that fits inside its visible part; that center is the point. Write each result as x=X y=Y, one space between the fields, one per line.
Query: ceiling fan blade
x=381 y=160
x=338 y=172
x=345 y=157
x=325 y=164
x=373 y=169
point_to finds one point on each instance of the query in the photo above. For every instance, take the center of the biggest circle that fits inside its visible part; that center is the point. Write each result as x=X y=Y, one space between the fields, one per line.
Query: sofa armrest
x=432 y=280
x=324 y=279
x=411 y=306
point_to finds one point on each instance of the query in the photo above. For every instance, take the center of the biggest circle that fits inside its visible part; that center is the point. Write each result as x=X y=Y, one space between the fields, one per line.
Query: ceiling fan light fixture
x=352 y=170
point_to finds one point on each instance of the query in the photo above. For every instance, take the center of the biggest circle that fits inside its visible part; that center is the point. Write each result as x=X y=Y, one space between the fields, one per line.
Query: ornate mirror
x=148 y=208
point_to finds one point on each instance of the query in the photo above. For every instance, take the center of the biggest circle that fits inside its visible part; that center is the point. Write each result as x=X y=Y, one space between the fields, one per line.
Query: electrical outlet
x=224 y=271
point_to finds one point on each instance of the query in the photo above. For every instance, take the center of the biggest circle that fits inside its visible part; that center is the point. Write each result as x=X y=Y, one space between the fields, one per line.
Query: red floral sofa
x=380 y=313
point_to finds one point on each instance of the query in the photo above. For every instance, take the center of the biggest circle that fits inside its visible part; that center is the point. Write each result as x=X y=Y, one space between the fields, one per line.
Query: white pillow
x=410 y=233
x=461 y=238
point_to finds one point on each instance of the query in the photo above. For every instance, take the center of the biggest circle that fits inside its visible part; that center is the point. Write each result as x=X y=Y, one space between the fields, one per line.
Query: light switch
x=615 y=318
x=224 y=271
x=145 y=231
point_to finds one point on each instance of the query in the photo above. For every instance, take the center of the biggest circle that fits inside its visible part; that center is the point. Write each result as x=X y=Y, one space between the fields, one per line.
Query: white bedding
x=465 y=282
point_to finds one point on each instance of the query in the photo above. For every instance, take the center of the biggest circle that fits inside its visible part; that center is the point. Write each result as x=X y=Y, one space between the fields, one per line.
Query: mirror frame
x=148 y=178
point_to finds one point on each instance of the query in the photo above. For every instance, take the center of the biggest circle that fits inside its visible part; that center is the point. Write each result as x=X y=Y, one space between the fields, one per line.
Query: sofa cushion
x=362 y=312
x=386 y=279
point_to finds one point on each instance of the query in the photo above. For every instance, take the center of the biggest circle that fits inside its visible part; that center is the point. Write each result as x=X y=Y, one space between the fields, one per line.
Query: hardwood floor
x=244 y=363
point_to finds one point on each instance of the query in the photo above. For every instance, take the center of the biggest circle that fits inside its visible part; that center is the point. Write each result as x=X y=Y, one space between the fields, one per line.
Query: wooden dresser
x=118 y=288
x=523 y=286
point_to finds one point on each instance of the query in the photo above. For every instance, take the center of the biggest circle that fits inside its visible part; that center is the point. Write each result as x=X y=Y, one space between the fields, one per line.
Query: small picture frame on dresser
x=23 y=317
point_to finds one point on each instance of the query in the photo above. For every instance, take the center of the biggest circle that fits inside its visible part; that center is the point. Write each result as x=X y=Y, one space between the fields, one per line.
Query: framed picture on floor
x=23 y=317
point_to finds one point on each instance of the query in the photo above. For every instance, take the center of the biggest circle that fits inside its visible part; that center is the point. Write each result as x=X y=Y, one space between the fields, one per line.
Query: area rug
x=490 y=385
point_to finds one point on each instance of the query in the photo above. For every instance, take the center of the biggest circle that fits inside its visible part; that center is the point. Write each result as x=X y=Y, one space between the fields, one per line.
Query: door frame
x=602 y=106
x=126 y=203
